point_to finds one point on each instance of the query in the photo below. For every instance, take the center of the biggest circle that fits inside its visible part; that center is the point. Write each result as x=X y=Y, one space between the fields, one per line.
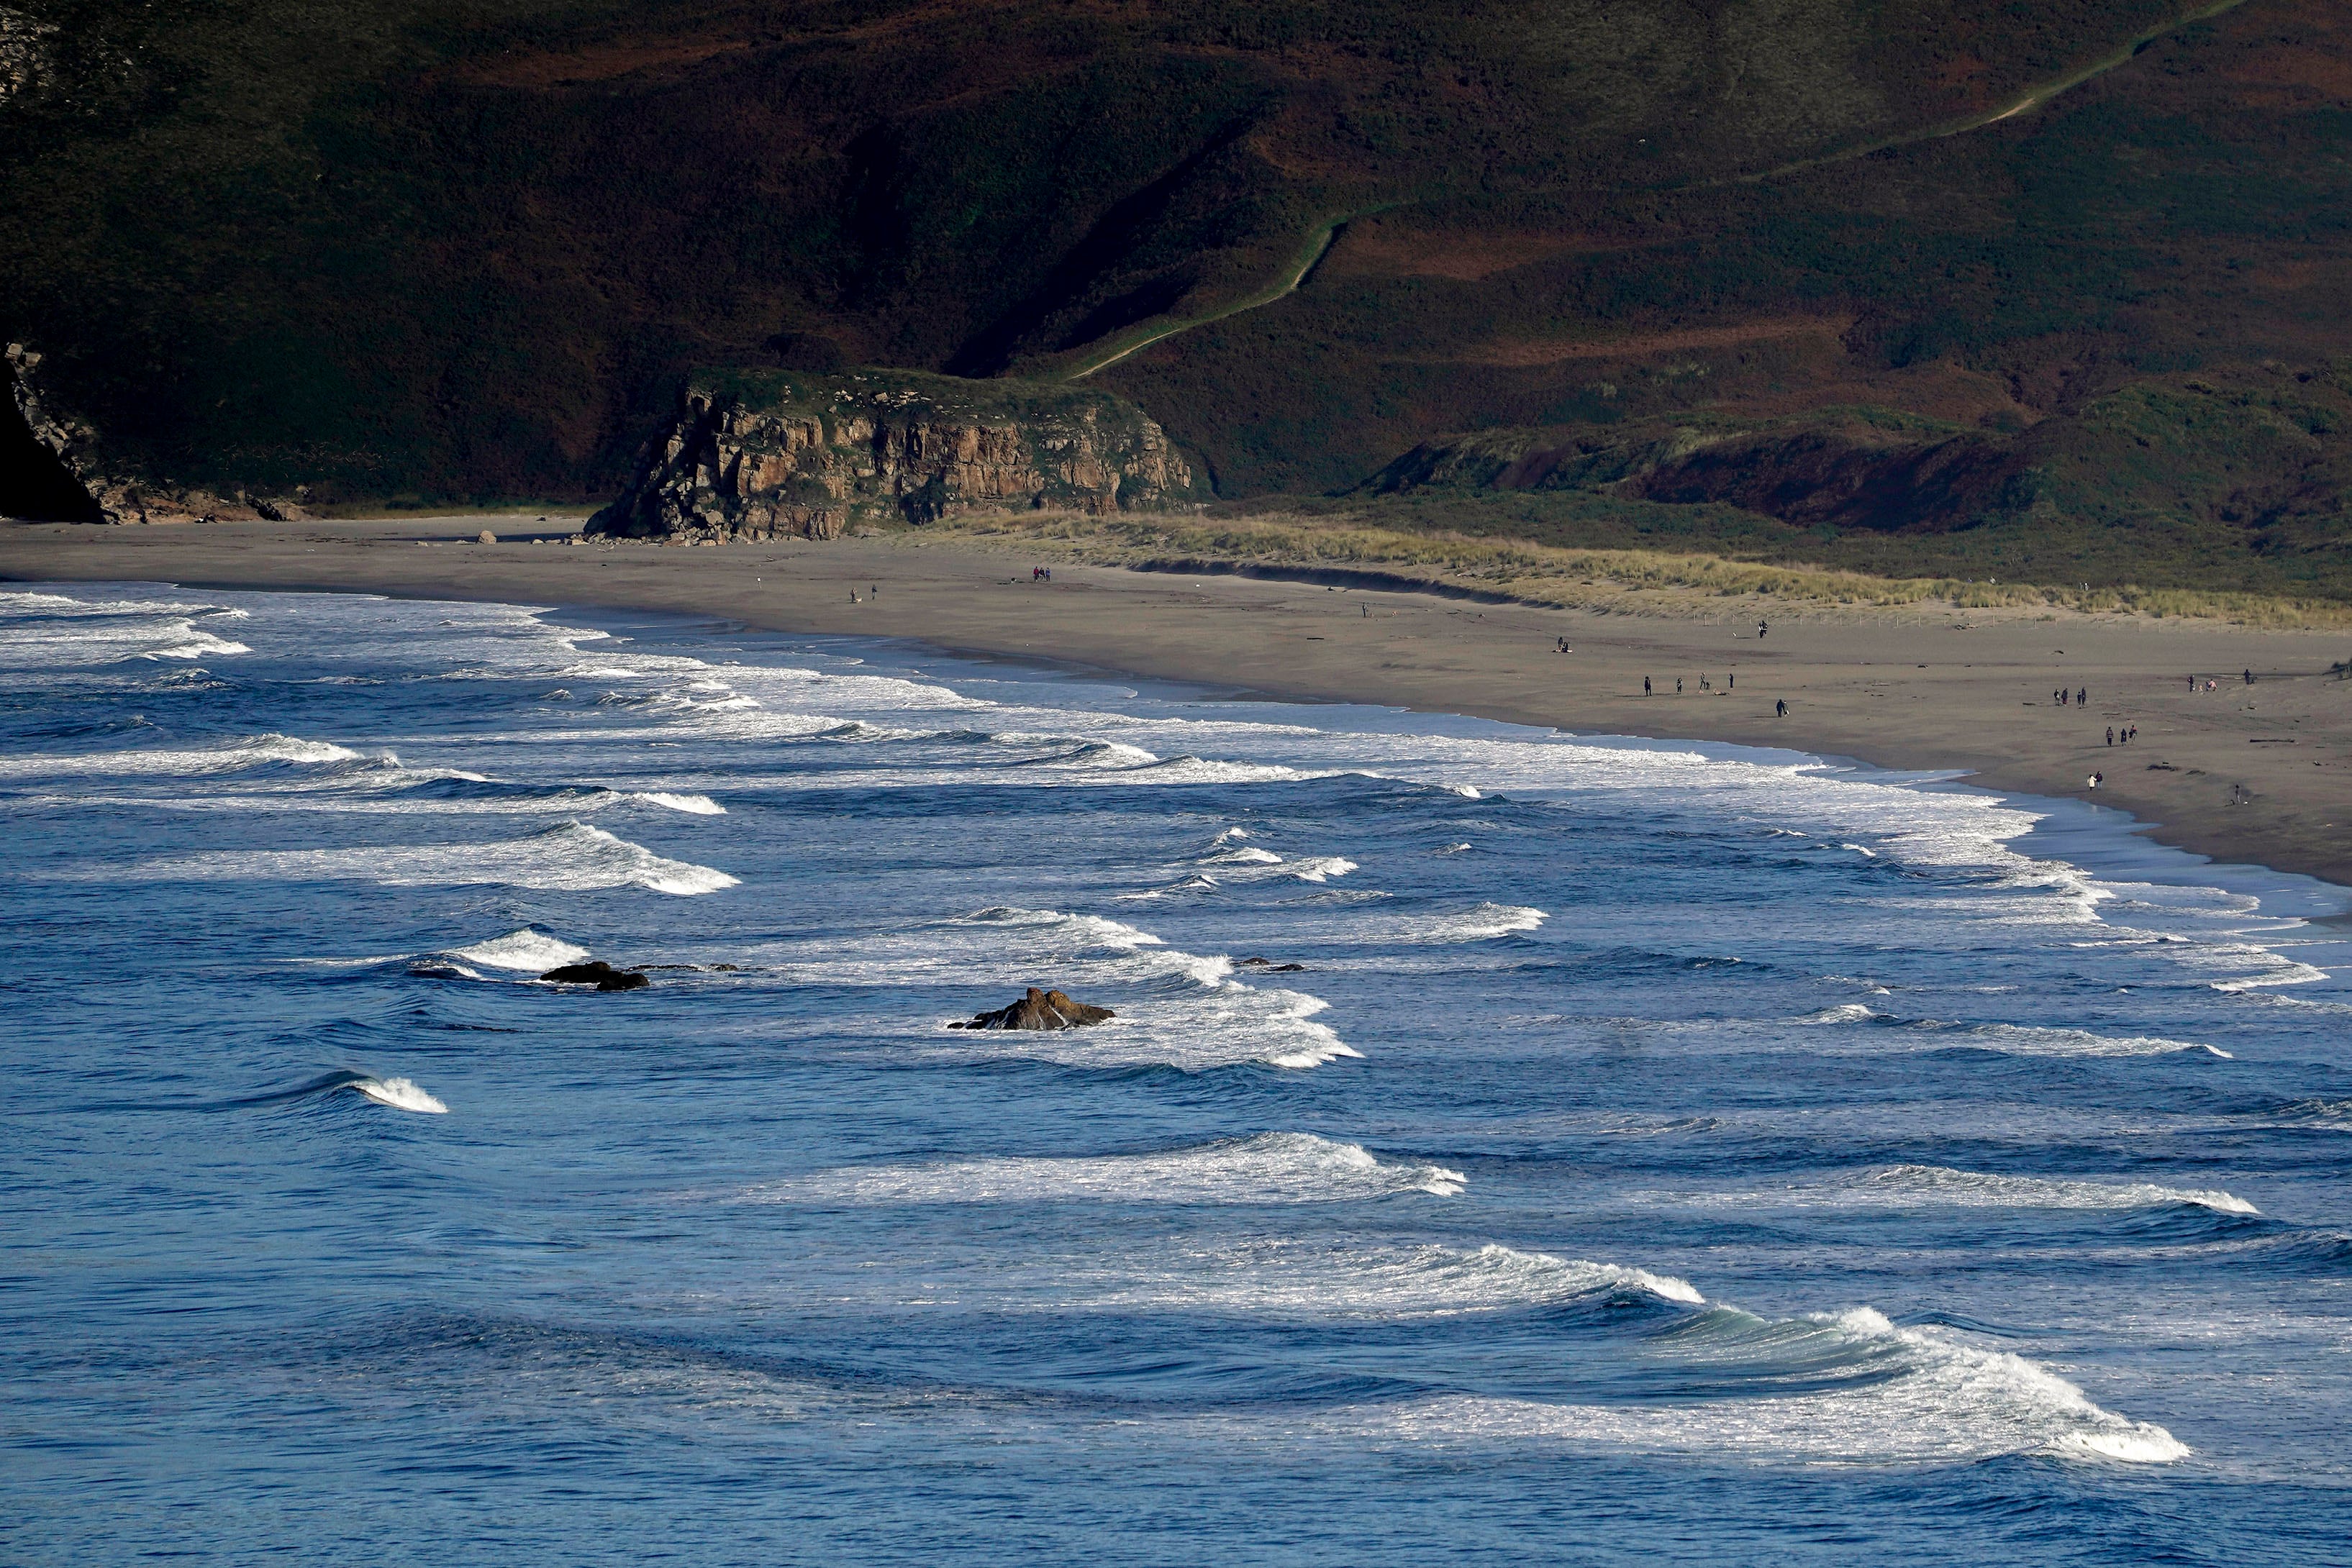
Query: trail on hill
x=1317 y=245
x=1320 y=241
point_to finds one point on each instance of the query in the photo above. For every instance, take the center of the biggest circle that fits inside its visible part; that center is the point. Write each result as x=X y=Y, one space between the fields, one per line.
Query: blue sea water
x=1659 y=1152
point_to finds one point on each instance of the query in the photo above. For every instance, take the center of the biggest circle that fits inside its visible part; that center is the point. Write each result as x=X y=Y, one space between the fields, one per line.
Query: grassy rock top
x=910 y=394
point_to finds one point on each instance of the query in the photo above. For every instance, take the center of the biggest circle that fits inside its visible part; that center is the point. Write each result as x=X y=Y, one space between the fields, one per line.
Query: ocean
x=1510 y=1146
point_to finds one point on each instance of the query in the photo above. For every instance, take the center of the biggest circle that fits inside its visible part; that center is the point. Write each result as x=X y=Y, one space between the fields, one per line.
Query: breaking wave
x=1480 y=923
x=1327 y=1280
x=573 y=857
x=1874 y=1394
x=1273 y=1167
x=401 y=1094
x=529 y=950
x=231 y=756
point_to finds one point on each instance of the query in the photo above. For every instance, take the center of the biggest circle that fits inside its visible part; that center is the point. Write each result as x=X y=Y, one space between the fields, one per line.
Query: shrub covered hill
x=1984 y=267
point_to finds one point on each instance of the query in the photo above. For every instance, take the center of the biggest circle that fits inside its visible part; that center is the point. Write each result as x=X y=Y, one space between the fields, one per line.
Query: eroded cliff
x=764 y=454
x=52 y=467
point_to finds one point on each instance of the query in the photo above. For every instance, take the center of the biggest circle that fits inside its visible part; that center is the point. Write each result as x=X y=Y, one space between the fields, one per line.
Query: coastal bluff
x=757 y=455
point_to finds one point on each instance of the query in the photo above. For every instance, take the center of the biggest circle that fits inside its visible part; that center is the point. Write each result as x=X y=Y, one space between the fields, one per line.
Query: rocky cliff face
x=763 y=454
x=51 y=469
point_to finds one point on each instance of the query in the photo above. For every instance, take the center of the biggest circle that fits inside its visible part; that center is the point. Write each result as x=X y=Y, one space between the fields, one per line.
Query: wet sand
x=1921 y=687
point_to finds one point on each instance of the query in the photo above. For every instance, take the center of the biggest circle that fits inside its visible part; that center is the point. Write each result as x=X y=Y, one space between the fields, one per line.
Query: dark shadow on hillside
x=1121 y=231
x=33 y=486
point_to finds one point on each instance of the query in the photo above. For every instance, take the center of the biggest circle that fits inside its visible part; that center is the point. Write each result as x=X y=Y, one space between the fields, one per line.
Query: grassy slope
x=439 y=250
x=465 y=250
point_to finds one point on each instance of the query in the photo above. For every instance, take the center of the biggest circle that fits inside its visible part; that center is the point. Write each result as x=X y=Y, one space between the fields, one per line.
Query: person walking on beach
x=1645 y=686
x=1678 y=685
x=1761 y=629
x=2082 y=695
x=2249 y=677
x=2111 y=735
x=1780 y=708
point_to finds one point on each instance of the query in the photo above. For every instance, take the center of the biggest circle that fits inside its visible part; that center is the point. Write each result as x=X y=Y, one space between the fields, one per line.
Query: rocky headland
x=780 y=454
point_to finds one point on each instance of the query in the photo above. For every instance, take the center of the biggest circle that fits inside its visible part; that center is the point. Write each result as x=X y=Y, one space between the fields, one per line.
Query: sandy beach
x=2252 y=773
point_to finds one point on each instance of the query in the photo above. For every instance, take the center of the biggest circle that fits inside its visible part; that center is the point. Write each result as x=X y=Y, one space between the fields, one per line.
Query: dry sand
x=1922 y=687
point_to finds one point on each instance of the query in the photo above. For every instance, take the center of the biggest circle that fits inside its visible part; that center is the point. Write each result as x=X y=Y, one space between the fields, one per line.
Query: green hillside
x=444 y=251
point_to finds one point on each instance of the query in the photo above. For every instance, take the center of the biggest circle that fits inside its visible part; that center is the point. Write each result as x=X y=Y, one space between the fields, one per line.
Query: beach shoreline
x=1925 y=688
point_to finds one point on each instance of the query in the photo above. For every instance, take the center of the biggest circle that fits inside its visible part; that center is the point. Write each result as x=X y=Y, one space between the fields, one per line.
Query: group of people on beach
x=1041 y=574
x=2081 y=694
x=2122 y=737
x=1730 y=684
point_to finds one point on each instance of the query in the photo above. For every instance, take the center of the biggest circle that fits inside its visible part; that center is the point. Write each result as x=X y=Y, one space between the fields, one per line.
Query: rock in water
x=599 y=974
x=1040 y=1009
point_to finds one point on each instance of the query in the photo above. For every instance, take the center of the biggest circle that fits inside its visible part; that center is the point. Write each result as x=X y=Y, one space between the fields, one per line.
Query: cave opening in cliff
x=34 y=485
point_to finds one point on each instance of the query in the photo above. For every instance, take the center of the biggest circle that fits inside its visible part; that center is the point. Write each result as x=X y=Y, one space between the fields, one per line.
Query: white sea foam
x=1207 y=770
x=1223 y=1024
x=1067 y=933
x=1905 y=1396
x=401 y=1094
x=1322 y=1281
x=1273 y=1167
x=1174 y=1008
x=1252 y=864
x=695 y=805
x=253 y=751
x=48 y=631
x=1918 y=1187
x=1844 y=1012
x=2026 y=1040
x=1936 y=1184
x=534 y=951
x=573 y=857
x=1480 y=923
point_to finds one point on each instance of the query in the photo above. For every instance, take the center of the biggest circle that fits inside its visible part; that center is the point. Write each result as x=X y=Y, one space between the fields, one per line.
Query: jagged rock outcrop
x=1040 y=1009
x=769 y=453
x=597 y=973
x=50 y=469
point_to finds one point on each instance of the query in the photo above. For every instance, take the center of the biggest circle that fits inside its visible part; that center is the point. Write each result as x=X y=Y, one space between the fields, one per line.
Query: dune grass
x=1598 y=579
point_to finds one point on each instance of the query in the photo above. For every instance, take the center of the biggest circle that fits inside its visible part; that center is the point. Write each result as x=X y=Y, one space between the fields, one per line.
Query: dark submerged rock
x=1040 y=1009
x=597 y=973
x=1269 y=965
